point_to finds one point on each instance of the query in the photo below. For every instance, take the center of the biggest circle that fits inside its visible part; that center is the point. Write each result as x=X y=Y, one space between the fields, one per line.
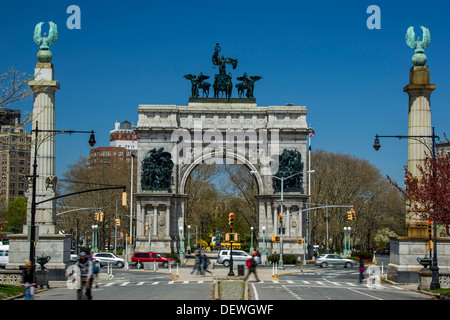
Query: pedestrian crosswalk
x=199 y=282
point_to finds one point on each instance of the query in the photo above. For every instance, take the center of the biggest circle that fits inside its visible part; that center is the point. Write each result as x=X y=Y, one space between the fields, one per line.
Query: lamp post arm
x=79 y=192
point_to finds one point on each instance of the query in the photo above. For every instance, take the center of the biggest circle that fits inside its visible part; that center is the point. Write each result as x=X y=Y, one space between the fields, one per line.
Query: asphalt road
x=332 y=283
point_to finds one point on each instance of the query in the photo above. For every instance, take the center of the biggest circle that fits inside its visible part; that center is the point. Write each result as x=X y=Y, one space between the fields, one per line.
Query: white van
x=4 y=256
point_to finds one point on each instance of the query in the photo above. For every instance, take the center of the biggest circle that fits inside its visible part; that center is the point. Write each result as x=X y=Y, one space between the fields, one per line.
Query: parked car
x=73 y=256
x=334 y=259
x=139 y=258
x=104 y=258
x=238 y=256
x=385 y=251
x=4 y=255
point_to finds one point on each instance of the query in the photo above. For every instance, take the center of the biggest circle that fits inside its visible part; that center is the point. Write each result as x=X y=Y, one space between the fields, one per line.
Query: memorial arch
x=173 y=140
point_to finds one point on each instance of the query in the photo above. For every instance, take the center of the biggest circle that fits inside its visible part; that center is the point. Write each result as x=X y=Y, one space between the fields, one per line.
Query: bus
x=226 y=245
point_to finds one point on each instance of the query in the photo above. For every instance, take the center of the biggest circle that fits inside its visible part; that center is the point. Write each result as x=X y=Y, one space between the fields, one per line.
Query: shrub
x=356 y=255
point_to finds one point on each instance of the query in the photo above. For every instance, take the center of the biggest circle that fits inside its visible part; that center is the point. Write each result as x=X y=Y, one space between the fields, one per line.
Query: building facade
x=122 y=146
x=15 y=151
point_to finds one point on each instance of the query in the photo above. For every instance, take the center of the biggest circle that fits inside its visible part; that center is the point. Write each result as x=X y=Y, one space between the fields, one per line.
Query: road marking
x=200 y=281
x=351 y=284
x=292 y=293
x=171 y=282
x=124 y=284
x=185 y=282
x=256 y=292
x=306 y=282
x=140 y=283
x=290 y=281
x=109 y=284
x=319 y=282
x=274 y=281
x=364 y=294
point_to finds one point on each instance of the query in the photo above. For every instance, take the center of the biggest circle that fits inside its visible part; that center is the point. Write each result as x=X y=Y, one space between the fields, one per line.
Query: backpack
x=249 y=262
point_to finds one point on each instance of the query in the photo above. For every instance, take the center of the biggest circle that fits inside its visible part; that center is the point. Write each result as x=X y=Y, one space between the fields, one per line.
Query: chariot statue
x=222 y=81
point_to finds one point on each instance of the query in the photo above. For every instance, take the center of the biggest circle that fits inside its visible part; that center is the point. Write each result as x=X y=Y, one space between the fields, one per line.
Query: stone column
x=44 y=87
x=419 y=90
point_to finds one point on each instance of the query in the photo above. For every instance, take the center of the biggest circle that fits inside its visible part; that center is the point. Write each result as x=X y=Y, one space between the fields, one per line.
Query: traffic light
x=117 y=222
x=280 y=219
x=124 y=199
x=146 y=226
x=429 y=229
x=349 y=215
x=353 y=215
x=300 y=241
x=231 y=220
x=96 y=216
x=100 y=218
x=275 y=238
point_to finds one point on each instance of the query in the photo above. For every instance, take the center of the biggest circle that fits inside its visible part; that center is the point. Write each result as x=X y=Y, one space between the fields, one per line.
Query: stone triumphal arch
x=173 y=140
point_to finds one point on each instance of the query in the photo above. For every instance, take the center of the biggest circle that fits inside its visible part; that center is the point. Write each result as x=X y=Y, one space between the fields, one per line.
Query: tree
x=346 y=180
x=14 y=87
x=16 y=214
x=382 y=237
x=428 y=195
x=83 y=175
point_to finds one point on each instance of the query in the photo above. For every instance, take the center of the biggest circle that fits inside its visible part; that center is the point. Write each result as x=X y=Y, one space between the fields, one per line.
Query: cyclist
x=86 y=275
x=28 y=280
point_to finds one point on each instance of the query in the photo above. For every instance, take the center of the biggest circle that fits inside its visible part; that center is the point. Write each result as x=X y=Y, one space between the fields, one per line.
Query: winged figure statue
x=418 y=45
x=198 y=82
x=248 y=83
x=46 y=41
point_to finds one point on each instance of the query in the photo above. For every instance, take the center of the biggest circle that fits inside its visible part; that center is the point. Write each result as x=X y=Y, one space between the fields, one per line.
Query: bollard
x=177 y=268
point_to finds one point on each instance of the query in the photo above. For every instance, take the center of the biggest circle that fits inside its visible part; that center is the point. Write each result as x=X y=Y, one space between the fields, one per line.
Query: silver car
x=238 y=256
x=107 y=257
x=325 y=260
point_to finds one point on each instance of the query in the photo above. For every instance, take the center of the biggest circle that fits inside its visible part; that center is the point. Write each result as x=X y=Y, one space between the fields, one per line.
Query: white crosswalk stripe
x=194 y=282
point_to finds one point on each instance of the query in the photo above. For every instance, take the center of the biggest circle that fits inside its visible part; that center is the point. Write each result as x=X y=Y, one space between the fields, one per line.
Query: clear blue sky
x=314 y=53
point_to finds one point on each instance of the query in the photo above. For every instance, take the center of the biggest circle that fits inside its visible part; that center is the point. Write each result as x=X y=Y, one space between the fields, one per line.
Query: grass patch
x=7 y=290
x=444 y=292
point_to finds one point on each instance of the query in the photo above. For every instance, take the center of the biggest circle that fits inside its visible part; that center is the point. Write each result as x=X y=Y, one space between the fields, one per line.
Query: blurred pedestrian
x=86 y=274
x=362 y=268
x=251 y=264
x=28 y=280
x=206 y=263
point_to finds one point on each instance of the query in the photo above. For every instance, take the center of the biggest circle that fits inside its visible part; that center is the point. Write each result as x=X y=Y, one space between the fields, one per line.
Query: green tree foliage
x=16 y=214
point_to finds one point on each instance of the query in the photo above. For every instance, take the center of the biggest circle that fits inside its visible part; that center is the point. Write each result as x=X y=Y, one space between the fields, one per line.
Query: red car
x=140 y=257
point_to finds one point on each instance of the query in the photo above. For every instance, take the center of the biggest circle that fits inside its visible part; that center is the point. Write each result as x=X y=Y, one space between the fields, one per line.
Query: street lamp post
x=251 y=241
x=34 y=180
x=263 y=258
x=281 y=227
x=189 y=240
x=434 y=266
x=181 y=244
x=345 y=241
x=349 y=231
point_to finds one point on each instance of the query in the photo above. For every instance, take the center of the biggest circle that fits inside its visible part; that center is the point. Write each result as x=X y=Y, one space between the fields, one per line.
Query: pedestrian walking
x=195 y=264
x=275 y=257
x=28 y=280
x=86 y=275
x=251 y=264
x=362 y=268
x=206 y=263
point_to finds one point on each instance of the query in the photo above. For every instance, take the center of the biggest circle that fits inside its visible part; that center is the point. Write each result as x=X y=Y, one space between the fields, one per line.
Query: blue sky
x=314 y=53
